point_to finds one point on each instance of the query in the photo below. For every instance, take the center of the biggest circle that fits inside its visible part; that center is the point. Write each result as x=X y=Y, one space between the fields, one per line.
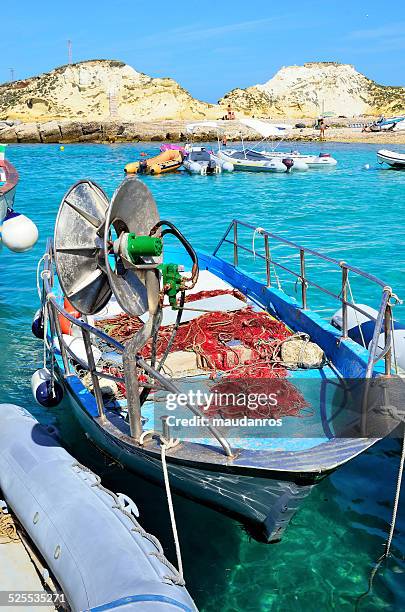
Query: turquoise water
x=349 y=213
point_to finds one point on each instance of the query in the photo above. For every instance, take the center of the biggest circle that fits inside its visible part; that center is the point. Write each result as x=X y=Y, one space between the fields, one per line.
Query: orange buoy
x=65 y=325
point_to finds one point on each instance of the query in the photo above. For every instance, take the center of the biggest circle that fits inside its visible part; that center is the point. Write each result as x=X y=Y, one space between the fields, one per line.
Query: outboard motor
x=211 y=167
x=288 y=162
x=143 y=167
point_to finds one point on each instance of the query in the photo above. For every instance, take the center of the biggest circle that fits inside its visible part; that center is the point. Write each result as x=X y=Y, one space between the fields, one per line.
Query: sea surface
x=350 y=213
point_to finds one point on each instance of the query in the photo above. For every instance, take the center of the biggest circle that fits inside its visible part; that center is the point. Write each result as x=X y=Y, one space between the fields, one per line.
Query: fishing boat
x=169 y=160
x=174 y=347
x=17 y=232
x=391 y=158
x=84 y=540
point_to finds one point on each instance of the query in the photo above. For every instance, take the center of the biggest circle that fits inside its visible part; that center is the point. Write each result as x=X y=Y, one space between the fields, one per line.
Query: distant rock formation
x=107 y=91
x=98 y=90
x=309 y=90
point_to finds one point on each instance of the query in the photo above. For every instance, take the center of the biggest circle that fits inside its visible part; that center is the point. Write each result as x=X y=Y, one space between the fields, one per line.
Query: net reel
x=104 y=248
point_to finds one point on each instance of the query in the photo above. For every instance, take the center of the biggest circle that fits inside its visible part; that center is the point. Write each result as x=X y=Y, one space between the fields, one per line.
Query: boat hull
x=263 y=505
x=391 y=158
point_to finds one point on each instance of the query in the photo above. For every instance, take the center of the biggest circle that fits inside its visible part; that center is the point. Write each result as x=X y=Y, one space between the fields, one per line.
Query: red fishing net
x=243 y=345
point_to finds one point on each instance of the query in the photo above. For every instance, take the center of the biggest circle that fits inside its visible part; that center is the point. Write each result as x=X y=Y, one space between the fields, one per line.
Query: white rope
x=388 y=543
x=166 y=445
x=396 y=500
x=40 y=274
x=258 y=230
x=393 y=346
x=356 y=313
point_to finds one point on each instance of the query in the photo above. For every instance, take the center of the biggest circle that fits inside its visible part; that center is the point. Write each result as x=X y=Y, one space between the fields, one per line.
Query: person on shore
x=322 y=128
x=224 y=141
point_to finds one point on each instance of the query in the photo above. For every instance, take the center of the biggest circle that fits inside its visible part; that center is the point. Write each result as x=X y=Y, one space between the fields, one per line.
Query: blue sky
x=209 y=47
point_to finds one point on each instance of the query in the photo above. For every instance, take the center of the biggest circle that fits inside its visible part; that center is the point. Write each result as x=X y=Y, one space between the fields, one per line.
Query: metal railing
x=55 y=309
x=384 y=316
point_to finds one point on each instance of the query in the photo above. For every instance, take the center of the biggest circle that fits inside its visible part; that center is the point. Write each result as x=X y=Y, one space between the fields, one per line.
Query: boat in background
x=169 y=321
x=394 y=124
x=200 y=160
x=169 y=160
x=17 y=232
x=252 y=161
x=302 y=162
x=89 y=539
x=391 y=158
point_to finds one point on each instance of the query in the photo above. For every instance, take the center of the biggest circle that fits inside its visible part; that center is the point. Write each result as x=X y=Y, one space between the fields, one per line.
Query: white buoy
x=366 y=167
x=18 y=233
x=227 y=167
x=44 y=392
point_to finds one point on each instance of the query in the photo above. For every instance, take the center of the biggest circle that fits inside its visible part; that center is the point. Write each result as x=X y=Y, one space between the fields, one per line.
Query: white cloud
x=383 y=32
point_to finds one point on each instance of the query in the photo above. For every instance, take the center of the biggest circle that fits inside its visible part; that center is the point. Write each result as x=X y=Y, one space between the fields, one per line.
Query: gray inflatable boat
x=89 y=537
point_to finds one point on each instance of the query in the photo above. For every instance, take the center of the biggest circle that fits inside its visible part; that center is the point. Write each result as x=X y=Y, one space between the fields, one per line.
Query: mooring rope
x=166 y=445
x=8 y=530
x=387 y=547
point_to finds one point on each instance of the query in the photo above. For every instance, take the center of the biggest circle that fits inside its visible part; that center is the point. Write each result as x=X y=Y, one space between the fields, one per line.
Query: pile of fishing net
x=242 y=347
x=244 y=343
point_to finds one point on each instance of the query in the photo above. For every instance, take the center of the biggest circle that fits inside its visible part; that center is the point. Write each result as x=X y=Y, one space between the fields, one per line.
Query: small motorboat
x=183 y=343
x=89 y=539
x=304 y=162
x=200 y=161
x=253 y=161
x=17 y=232
x=167 y=161
x=301 y=161
x=391 y=158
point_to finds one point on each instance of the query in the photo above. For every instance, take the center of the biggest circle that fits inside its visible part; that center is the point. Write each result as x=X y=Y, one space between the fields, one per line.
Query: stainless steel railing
x=384 y=316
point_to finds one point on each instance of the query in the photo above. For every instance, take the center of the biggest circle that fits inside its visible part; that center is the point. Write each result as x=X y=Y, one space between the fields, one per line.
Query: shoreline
x=106 y=132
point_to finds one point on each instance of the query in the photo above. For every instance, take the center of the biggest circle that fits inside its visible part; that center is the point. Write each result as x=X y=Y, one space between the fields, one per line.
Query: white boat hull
x=312 y=161
x=249 y=165
x=392 y=158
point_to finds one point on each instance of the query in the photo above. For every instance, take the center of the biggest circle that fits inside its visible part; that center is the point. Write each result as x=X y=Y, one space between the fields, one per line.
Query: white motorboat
x=301 y=162
x=305 y=162
x=392 y=158
x=200 y=160
x=252 y=161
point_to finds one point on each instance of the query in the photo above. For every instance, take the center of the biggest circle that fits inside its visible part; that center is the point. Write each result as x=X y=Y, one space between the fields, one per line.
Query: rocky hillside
x=306 y=91
x=98 y=90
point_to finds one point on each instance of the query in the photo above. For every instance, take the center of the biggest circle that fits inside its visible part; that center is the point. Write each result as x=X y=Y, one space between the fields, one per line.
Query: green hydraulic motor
x=172 y=281
x=134 y=248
